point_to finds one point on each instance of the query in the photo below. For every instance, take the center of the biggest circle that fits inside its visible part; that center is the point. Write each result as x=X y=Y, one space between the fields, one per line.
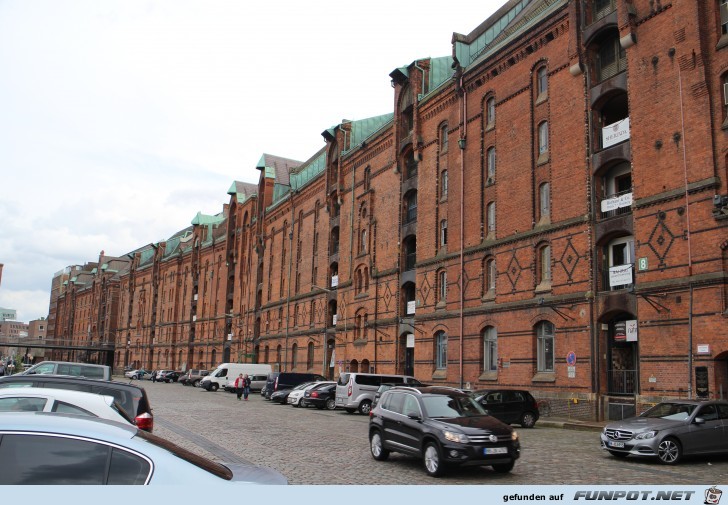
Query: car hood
x=475 y=424
x=644 y=424
x=252 y=474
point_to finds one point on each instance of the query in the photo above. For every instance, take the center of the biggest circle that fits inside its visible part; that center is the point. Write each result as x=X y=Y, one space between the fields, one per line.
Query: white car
x=138 y=374
x=62 y=400
x=295 y=397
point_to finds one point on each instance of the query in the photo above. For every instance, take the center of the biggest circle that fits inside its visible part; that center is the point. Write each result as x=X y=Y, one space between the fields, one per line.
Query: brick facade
x=530 y=202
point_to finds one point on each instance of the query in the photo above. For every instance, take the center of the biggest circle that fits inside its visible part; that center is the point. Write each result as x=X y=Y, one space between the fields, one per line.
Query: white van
x=88 y=370
x=355 y=391
x=230 y=371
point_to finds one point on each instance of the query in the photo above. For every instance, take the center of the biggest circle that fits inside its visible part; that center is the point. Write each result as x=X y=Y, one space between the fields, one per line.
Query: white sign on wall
x=615 y=133
x=703 y=348
x=631 y=329
x=410 y=340
x=620 y=275
x=617 y=202
x=411 y=307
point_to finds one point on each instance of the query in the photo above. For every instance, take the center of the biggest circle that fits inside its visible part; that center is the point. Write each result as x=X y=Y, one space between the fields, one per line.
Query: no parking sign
x=571 y=358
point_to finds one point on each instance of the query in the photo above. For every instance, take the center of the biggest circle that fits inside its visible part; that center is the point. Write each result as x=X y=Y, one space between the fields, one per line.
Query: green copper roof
x=243 y=190
x=300 y=176
x=204 y=219
x=364 y=128
x=146 y=256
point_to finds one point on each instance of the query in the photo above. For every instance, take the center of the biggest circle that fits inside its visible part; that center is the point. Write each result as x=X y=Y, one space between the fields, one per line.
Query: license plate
x=619 y=445
x=495 y=450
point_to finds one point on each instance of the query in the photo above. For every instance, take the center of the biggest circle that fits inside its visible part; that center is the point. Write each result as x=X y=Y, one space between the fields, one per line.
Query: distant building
x=8 y=314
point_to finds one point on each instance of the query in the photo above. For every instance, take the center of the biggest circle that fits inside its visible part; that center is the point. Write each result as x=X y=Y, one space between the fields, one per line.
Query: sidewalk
x=570 y=424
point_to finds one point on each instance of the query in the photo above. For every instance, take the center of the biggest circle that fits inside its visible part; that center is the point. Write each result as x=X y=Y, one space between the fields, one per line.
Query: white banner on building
x=615 y=133
x=334 y=281
x=335 y=318
x=617 y=202
x=411 y=307
x=410 y=340
x=620 y=275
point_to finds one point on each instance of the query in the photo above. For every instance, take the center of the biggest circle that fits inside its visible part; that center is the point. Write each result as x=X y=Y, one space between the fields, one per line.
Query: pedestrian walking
x=246 y=387
x=154 y=376
x=240 y=386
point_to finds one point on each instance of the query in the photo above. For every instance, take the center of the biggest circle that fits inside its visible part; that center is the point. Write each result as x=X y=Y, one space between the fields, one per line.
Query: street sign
x=571 y=358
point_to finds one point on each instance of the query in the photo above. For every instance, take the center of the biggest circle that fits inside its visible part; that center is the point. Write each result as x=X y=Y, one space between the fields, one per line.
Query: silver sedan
x=671 y=430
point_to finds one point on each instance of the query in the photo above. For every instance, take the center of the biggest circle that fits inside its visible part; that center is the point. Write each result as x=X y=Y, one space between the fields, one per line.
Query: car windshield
x=451 y=406
x=671 y=411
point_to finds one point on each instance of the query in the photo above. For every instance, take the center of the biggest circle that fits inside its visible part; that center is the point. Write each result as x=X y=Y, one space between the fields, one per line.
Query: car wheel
x=377 y=447
x=505 y=467
x=196 y=383
x=528 y=420
x=432 y=460
x=365 y=406
x=297 y=404
x=331 y=404
x=618 y=454
x=214 y=387
x=669 y=451
x=350 y=411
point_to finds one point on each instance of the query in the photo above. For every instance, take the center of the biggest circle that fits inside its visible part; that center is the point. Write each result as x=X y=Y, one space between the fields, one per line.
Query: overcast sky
x=120 y=120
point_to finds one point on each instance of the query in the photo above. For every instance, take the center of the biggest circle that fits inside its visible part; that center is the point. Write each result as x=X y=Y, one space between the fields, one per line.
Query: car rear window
x=343 y=379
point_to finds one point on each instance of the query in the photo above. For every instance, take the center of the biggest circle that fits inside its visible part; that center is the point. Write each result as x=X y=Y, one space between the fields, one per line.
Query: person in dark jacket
x=246 y=387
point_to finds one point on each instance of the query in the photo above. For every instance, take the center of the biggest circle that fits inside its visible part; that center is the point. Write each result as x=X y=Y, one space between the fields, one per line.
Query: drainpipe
x=687 y=221
x=290 y=264
x=461 y=144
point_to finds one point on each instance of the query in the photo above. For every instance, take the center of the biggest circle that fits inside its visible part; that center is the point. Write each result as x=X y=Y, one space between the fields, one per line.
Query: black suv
x=512 y=406
x=278 y=381
x=131 y=397
x=443 y=426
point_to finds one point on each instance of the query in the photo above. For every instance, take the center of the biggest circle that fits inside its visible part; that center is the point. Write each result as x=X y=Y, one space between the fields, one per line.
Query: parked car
x=669 y=431
x=172 y=376
x=193 y=377
x=297 y=396
x=138 y=374
x=76 y=450
x=384 y=387
x=511 y=406
x=355 y=391
x=322 y=397
x=63 y=401
x=160 y=374
x=131 y=397
x=90 y=370
x=288 y=380
x=444 y=427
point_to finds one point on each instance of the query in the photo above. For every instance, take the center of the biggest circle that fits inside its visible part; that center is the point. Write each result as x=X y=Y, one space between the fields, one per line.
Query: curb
x=570 y=425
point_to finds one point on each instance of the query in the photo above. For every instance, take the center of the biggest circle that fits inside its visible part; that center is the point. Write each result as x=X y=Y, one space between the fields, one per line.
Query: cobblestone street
x=311 y=446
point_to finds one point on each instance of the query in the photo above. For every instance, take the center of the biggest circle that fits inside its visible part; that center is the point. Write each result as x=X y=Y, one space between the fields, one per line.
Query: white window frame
x=441 y=350
x=490 y=349
x=545 y=337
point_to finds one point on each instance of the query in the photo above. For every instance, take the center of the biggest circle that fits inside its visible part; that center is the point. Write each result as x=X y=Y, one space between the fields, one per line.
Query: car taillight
x=145 y=422
x=348 y=391
x=314 y=394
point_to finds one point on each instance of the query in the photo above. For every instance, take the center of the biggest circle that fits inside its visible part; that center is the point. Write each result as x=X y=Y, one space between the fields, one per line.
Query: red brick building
x=546 y=208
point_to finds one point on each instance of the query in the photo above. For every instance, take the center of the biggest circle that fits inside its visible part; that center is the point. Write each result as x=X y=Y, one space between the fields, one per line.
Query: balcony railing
x=622 y=382
x=617 y=205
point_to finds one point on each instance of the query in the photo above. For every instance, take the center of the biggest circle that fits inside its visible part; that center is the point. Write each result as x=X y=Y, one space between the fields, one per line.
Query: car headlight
x=646 y=435
x=514 y=435
x=456 y=437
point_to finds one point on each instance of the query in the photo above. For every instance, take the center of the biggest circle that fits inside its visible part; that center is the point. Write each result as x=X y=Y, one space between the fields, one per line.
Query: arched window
x=440 y=350
x=266 y=355
x=490 y=276
x=543 y=265
x=491 y=163
x=279 y=356
x=443 y=138
x=406 y=111
x=294 y=356
x=490 y=349
x=490 y=216
x=490 y=112
x=364 y=241
x=543 y=139
x=309 y=357
x=544 y=202
x=442 y=286
x=443 y=184
x=542 y=83
x=545 y=332
x=410 y=207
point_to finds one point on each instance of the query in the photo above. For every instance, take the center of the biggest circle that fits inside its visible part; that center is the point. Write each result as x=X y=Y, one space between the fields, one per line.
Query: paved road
x=311 y=446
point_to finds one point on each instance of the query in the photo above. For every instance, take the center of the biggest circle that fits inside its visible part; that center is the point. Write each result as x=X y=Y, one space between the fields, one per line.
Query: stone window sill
x=544 y=377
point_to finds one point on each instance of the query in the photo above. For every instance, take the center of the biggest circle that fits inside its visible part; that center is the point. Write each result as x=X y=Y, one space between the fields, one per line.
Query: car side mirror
x=699 y=420
x=414 y=416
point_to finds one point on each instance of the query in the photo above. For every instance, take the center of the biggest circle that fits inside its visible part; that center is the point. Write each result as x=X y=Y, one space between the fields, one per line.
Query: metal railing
x=622 y=382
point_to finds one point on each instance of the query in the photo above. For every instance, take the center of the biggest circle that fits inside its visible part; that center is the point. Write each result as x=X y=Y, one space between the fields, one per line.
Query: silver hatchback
x=671 y=430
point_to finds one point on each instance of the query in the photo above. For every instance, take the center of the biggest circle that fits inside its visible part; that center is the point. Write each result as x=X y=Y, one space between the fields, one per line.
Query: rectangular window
x=490 y=351
x=724 y=16
x=441 y=350
x=545 y=347
x=544 y=199
x=443 y=286
x=543 y=138
x=491 y=218
x=546 y=264
x=443 y=232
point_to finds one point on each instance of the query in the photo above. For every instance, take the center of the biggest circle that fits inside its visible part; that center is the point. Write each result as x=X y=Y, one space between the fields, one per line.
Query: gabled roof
x=243 y=190
x=277 y=167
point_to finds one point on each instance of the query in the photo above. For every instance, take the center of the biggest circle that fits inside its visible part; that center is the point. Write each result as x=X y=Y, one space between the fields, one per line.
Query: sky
x=121 y=120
